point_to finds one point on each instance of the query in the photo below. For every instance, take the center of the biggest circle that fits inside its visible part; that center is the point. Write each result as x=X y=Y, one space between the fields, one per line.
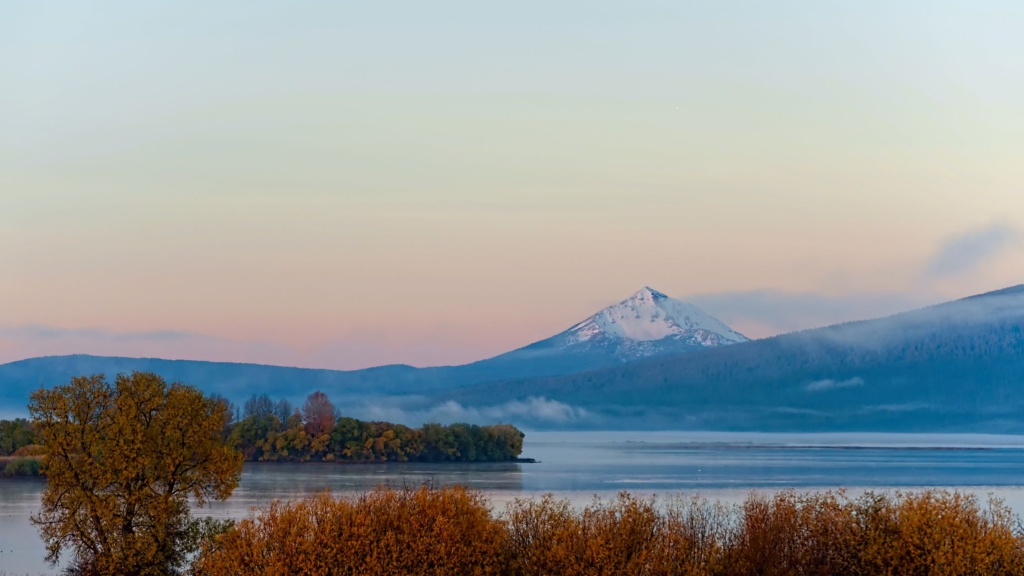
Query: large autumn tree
x=122 y=460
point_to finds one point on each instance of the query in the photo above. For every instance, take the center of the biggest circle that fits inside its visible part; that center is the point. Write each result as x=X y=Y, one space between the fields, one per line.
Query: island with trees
x=268 y=431
x=263 y=430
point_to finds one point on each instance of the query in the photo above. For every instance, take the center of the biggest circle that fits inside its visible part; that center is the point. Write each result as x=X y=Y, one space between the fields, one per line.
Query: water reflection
x=265 y=481
x=603 y=461
x=21 y=550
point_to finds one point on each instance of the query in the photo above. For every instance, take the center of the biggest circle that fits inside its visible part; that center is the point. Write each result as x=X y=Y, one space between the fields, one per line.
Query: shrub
x=451 y=531
x=692 y=537
x=930 y=532
x=22 y=467
x=29 y=451
x=543 y=536
x=446 y=531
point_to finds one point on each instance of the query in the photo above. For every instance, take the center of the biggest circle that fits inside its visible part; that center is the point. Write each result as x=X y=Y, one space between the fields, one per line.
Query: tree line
x=15 y=434
x=269 y=431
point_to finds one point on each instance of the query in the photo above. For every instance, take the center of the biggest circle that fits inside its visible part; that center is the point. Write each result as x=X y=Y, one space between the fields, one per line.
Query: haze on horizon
x=347 y=185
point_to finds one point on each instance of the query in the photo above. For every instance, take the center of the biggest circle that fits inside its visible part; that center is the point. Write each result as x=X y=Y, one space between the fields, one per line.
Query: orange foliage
x=932 y=532
x=318 y=414
x=451 y=531
x=446 y=531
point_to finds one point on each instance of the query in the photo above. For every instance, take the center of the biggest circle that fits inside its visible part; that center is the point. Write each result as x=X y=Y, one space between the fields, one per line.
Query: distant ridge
x=646 y=324
x=1012 y=290
x=651 y=362
x=957 y=366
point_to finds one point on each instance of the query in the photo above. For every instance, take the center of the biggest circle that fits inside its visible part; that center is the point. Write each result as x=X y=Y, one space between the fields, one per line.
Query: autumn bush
x=30 y=451
x=14 y=467
x=448 y=531
x=627 y=536
x=452 y=531
x=692 y=537
x=923 y=533
x=945 y=533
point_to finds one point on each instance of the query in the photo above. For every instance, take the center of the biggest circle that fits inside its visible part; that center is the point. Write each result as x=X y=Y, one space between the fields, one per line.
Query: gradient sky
x=348 y=184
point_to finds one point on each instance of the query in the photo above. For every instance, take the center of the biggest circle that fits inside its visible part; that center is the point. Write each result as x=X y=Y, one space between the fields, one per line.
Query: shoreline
x=371 y=462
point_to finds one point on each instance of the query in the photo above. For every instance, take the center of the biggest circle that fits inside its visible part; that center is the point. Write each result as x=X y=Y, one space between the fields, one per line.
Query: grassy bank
x=453 y=531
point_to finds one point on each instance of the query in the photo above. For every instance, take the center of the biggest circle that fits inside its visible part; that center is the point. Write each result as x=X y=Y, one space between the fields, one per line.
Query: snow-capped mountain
x=648 y=323
x=649 y=316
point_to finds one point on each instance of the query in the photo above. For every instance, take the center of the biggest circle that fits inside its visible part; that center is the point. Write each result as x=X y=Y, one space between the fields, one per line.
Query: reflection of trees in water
x=265 y=481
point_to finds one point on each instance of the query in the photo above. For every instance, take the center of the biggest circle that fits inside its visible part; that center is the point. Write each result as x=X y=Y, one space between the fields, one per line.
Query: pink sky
x=362 y=186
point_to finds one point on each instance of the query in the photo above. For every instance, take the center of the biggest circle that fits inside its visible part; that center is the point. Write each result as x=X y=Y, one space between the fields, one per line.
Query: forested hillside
x=956 y=366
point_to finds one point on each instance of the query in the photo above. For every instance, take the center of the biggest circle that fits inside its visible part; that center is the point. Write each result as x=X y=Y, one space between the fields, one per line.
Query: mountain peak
x=647 y=293
x=648 y=316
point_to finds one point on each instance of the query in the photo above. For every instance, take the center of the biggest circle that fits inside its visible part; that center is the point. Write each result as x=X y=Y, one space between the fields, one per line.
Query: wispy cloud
x=49 y=333
x=356 y=350
x=965 y=253
x=19 y=342
x=763 y=313
x=905 y=407
x=531 y=410
x=829 y=384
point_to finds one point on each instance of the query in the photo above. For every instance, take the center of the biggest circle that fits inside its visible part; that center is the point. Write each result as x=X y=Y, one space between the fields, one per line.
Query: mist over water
x=579 y=465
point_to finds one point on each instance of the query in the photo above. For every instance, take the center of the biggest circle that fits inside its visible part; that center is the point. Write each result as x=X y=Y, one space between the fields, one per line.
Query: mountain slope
x=644 y=325
x=955 y=366
x=647 y=323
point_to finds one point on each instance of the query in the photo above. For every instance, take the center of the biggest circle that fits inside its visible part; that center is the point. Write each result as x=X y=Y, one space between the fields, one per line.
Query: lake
x=579 y=465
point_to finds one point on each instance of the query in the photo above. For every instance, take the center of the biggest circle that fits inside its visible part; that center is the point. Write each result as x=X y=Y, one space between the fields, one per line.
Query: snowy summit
x=649 y=315
x=648 y=323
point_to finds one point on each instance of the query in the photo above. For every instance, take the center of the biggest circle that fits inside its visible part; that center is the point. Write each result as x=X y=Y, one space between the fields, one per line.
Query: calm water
x=579 y=465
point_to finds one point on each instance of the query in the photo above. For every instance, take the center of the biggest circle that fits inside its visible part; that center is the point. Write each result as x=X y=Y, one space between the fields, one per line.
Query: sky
x=342 y=184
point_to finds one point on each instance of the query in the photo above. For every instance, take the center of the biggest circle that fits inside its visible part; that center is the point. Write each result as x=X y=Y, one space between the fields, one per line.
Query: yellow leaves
x=931 y=532
x=122 y=460
x=318 y=446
